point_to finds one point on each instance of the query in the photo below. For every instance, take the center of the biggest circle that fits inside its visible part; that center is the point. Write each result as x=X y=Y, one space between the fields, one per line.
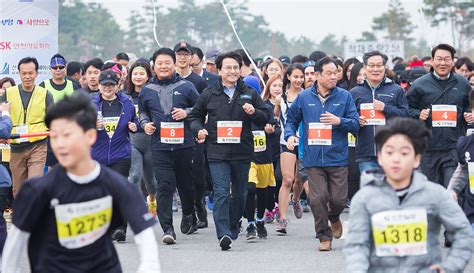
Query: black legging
x=261 y=194
x=272 y=192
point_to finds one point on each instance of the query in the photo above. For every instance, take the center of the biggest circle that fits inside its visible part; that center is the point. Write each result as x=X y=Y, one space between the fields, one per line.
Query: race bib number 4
x=444 y=115
x=110 y=125
x=172 y=132
x=400 y=232
x=319 y=134
x=81 y=224
x=372 y=117
x=259 y=141
x=470 y=166
x=229 y=131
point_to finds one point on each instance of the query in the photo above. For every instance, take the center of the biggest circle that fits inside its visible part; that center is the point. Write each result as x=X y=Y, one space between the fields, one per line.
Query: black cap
x=416 y=72
x=285 y=59
x=183 y=46
x=108 y=76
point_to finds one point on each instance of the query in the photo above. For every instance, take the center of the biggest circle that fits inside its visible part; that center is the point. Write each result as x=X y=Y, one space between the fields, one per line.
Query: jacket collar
x=377 y=178
x=220 y=87
x=174 y=78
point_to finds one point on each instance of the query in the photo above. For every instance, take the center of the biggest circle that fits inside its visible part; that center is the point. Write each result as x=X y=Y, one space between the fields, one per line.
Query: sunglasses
x=58 y=68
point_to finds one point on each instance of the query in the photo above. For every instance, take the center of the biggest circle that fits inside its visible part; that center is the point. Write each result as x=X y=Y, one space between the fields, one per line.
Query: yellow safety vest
x=35 y=112
x=59 y=94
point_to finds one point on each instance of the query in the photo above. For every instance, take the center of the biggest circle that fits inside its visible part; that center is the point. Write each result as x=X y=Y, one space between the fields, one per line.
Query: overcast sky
x=312 y=18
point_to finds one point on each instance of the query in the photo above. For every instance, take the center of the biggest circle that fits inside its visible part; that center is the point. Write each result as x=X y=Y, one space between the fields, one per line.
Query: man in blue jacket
x=164 y=104
x=327 y=114
x=378 y=99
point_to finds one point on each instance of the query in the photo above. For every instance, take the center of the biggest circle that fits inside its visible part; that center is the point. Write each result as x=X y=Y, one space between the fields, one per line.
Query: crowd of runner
x=102 y=146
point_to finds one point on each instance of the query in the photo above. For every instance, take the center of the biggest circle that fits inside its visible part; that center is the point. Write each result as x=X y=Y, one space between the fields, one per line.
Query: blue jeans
x=368 y=165
x=229 y=204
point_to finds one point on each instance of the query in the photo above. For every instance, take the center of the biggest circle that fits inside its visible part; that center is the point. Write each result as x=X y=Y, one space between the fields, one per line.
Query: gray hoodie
x=375 y=196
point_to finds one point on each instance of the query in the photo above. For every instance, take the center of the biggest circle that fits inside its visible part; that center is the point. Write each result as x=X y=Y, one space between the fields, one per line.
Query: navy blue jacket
x=109 y=150
x=153 y=107
x=396 y=105
x=209 y=77
x=5 y=129
x=308 y=108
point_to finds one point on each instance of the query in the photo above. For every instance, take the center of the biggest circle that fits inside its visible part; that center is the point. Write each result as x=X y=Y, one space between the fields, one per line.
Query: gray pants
x=142 y=167
x=328 y=194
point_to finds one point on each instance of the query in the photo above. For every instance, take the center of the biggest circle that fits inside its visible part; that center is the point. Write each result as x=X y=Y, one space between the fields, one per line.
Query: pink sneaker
x=276 y=213
x=269 y=217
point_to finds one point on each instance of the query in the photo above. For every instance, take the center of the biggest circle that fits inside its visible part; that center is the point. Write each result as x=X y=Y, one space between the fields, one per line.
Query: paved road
x=295 y=252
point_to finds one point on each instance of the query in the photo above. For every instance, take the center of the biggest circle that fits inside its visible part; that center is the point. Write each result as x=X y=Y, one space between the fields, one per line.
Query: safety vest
x=35 y=112
x=59 y=94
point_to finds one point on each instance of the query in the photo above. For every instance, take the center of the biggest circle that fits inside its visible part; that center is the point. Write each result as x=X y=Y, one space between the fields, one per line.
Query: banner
x=390 y=48
x=28 y=28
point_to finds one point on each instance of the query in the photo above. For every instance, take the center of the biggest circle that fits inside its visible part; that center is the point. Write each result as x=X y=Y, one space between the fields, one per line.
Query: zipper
x=373 y=126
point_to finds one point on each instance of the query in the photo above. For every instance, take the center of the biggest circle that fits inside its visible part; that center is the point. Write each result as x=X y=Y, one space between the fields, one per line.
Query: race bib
x=400 y=232
x=444 y=115
x=6 y=152
x=351 y=140
x=172 y=132
x=136 y=109
x=22 y=129
x=319 y=134
x=229 y=131
x=372 y=117
x=81 y=224
x=470 y=166
x=110 y=125
x=259 y=141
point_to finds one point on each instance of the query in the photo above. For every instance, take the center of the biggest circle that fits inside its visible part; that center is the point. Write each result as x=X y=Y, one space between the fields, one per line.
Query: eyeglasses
x=182 y=54
x=58 y=67
x=372 y=66
x=230 y=68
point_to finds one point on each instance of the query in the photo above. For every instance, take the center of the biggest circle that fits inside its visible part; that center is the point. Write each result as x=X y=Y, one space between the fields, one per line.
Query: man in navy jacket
x=327 y=114
x=377 y=99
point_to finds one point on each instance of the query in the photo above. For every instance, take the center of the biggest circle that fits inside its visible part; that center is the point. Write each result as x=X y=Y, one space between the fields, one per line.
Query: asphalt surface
x=199 y=252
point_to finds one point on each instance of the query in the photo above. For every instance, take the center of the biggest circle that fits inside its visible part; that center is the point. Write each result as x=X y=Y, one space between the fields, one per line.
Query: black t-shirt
x=263 y=148
x=198 y=82
x=274 y=139
x=59 y=87
x=111 y=108
x=54 y=201
x=88 y=91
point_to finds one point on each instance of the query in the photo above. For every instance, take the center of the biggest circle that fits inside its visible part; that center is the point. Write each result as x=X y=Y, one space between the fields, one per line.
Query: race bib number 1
x=444 y=115
x=81 y=224
x=172 y=132
x=372 y=117
x=319 y=134
x=229 y=131
x=259 y=141
x=400 y=232
x=470 y=166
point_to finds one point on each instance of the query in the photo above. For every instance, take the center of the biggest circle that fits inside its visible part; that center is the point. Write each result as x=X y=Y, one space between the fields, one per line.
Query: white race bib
x=259 y=141
x=229 y=131
x=22 y=129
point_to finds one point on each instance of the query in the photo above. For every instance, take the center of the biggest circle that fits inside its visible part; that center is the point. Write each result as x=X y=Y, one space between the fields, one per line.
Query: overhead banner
x=28 y=28
x=390 y=48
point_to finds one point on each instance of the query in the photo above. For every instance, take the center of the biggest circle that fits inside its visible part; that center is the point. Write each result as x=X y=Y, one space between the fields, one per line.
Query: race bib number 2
x=319 y=134
x=81 y=224
x=444 y=115
x=400 y=232
x=229 y=131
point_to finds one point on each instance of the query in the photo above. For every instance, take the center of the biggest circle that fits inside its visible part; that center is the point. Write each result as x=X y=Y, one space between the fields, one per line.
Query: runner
x=231 y=107
x=92 y=70
x=396 y=217
x=59 y=241
x=327 y=114
x=164 y=104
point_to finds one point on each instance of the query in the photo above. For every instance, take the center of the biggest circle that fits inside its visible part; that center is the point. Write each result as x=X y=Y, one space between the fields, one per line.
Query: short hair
x=317 y=55
x=339 y=62
x=77 y=107
x=245 y=59
x=414 y=130
x=122 y=56
x=397 y=58
x=464 y=61
x=232 y=55
x=7 y=79
x=318 y=67
x=109 y=65
x=96 y=63
x=198 y=52
x=443 y=47
x=426 y=58
x=374 y=53
x=299 y=59
x=73 y=68
x=164 y=51
x=27 y=60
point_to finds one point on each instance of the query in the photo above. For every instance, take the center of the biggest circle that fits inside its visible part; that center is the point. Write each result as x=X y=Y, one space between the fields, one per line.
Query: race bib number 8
x=229 y=131
x=172 y=132
x=81 y=224
x=110 y=125
x=400 y=232
x=259 y=141
x=372 y=117
x=444 y=115
x=319 y=134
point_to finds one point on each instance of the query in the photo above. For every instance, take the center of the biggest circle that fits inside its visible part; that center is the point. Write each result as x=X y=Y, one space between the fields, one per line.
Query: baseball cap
x=183 y=46
x=211 y=55
x=416 y=72
x=285 y=59
x=57 y=60
x=108 y=76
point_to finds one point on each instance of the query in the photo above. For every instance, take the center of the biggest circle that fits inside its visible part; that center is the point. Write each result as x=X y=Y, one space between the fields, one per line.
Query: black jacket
x=427 y=91
x=217 y=105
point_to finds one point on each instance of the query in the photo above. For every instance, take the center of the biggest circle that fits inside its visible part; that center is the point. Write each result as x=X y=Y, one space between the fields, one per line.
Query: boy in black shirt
x=67 y=216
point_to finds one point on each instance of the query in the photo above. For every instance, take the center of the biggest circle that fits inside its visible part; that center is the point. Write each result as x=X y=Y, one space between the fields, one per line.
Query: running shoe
x=251 y=232
x=282 y=225
x=276 y=213
x=261 y=230
x=269 y=217
x=297 y=209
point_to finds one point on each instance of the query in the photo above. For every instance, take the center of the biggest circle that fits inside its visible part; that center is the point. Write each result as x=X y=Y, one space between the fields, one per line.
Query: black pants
x=439 y=166
x=199 y=173
x=261 y=195
x=122 y=167
x=173 y=170
x=272 y=192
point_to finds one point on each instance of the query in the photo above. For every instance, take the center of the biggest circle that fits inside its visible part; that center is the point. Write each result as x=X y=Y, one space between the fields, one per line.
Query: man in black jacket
x=231 y=107
x=441 y=100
